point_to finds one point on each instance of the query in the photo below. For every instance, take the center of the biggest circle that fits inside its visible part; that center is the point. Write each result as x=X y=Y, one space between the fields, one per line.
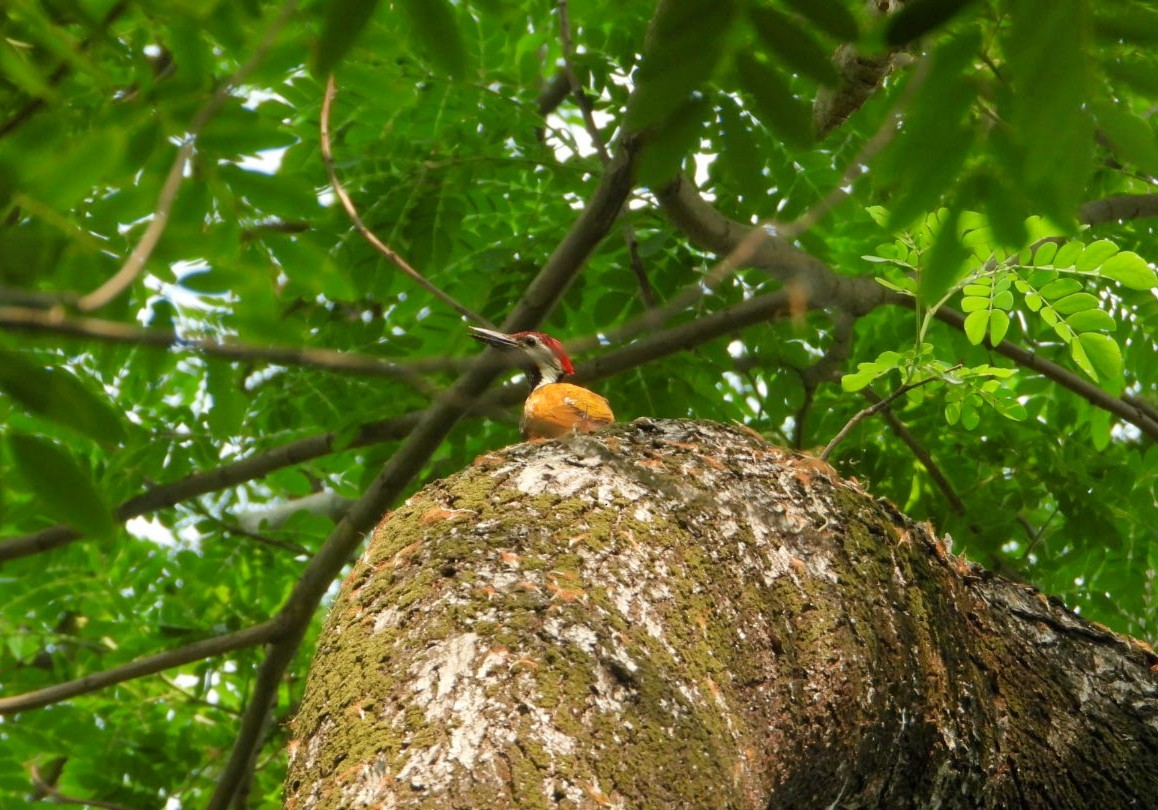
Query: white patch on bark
x=386 y=618
x=567 y=479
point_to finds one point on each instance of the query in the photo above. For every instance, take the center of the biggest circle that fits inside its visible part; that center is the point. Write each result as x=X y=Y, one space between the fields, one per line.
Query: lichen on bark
x=677 y=614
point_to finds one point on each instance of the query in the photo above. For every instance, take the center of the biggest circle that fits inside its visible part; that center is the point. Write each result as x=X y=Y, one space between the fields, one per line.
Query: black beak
x=493 y=338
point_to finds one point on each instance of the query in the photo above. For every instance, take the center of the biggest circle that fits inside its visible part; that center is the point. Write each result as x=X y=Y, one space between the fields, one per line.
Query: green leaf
x=928 y=153
x=65 y=490
x=1060 y=288
x=227 y=407
x=794 y=46
x=1100 y=429
x=1033 y=301
x=1049 y=125
x=1078 y=353
x=677 y=137
x=947 y=262
x=970 y=416
x=1091 y=320
x=975 y=326
x=830 y=16
x=1130 y=270
x=345 y=22
x=59 y=396
x=683 y=47
x=772 y=101
x=1105 y=356
x=952 y=412
x=1132 y=138
x=857 y=380
x=743 y=159
x=435 y=26
x=918 y=18
x=72 y=172
x=1003 y=300
x=998 y=326
x=1075 y=303
x=972 y=303
x=1068 y=254
x=1095 y=255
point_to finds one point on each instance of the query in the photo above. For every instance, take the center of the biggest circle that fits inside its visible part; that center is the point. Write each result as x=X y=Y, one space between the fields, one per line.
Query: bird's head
x=543 y=357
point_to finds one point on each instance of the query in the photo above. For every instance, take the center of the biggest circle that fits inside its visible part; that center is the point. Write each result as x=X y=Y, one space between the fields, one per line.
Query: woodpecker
x=553 y=408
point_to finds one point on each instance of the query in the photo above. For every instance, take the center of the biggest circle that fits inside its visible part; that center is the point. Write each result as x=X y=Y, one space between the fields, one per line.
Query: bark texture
x=676 y=614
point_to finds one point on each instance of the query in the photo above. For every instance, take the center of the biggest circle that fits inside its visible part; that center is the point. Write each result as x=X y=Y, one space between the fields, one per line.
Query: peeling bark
x=676 y=614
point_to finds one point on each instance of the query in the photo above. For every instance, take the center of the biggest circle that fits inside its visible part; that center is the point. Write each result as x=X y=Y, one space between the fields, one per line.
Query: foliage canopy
x=962 y=202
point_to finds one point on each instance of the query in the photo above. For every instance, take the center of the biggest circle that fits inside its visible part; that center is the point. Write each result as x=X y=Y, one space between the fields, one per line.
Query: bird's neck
x=539 y=376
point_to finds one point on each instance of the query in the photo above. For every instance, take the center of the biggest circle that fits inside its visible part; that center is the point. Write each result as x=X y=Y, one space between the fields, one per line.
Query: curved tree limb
x=56 y=322
x=824 y=287
x=1119 y=208
x=133 y=265
x=252 y=636
x=540 y=297
x=361 y=227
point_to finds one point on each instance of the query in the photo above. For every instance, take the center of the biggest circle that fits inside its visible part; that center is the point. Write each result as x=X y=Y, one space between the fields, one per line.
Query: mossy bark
x=676 y=614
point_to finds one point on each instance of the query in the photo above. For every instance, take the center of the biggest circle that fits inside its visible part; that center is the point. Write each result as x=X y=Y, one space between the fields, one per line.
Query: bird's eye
x=532 y=340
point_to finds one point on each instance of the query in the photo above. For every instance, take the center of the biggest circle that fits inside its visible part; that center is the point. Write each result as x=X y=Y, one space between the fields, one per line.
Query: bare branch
x=360 y=226
x=710 y=229
x=56 y=322
x=252 y=636
x=539 y=298
x=57 y=797
x=1119 y=208
x=922 y=455
x=652 y=347
x=1062 y=376
x=872 y=409
x=160 y=219
x=585 y=108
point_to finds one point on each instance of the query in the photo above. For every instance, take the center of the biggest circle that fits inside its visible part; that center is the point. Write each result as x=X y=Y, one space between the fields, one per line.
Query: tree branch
x=253 y=636
x=649 y=348
x=922 y=455
x=56 y=322
x=1062 y=376
x=585 y=108
x=360 y=226
x=41 y=784
x=1119 y=208
x=537 y=301
x=160 y=220
x=823 y=287
x=872 y=409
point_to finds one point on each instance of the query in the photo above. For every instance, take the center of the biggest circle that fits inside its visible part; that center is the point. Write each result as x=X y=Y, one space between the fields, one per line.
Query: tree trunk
x=676 y=614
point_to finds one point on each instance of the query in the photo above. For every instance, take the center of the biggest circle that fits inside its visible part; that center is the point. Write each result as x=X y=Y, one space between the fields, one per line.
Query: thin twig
x=57 y=797
x=133 y=265
x=648 y=349
x=921 y=453
x=367 y=234
x=56 y=322
x=62 y=70
x=875 y=408
x=587 y=111
x=251 y=636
